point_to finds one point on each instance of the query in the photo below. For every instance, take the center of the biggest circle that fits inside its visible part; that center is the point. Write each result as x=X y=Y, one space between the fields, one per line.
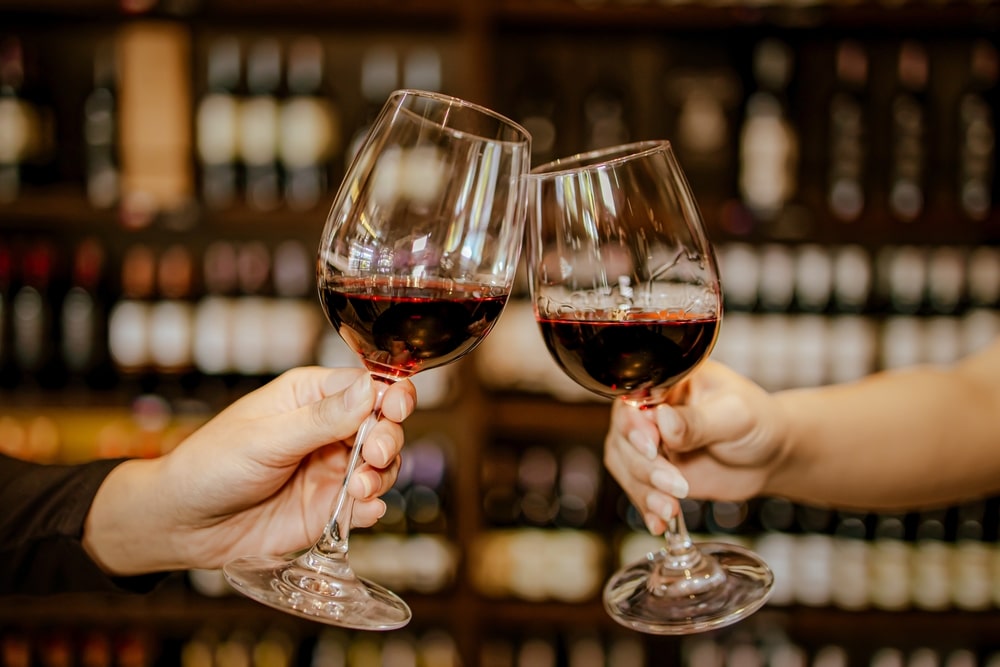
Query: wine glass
x=626 y=293
x=415 y=265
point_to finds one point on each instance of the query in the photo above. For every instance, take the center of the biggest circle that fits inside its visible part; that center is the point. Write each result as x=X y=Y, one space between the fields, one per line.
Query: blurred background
x=165 y=168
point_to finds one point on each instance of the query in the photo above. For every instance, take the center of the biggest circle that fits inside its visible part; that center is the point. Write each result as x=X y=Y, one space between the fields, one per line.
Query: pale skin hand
x=260 y=478
x=741 y=439
x=907 y=439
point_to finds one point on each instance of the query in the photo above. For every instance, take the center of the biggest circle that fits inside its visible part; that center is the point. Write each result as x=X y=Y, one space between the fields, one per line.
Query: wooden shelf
x=566 y=14
x=482 y=40
x=540 y=417
x=438 y=13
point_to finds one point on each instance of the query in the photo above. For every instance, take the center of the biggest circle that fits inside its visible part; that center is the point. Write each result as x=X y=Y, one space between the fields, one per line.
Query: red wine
x=400 y=328
x=631 y=356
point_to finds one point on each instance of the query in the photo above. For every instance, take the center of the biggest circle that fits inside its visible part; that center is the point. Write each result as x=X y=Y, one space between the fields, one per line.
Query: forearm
x=898 y=440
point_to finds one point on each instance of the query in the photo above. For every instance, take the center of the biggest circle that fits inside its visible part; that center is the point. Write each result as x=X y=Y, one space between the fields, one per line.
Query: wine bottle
x=848 y=137
x=171 y=316
x=946 y=267
x=34 y=321
x=100 y=131
x=213 y=319
x=129 y=321
x=537 y=478
x=769 y=144
x=931 y=584
x=776 y=545
x=890 y=564
x=24 y=133
x=852 y=278
x=217 y=124
x=248 y=344
x=379 y=77
x=702 y=103
x=83 y=319
x=970 y=567
x=908 y=132
x=977 y=159
x=850 y=562
x=579 y=486
x=295 y=325
x=309 y=126
x=258 y=130
x=426 y=493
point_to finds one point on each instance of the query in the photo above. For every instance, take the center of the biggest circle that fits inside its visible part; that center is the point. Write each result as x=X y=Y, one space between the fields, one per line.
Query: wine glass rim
x=402 y=93
x=599 y=158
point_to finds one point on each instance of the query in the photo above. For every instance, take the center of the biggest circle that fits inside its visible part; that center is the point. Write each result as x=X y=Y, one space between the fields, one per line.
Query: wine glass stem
x=680 y=549
x=333 y=543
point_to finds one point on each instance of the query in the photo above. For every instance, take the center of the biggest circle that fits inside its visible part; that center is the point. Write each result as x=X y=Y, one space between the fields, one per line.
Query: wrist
x=786 y=437
x=121 y=533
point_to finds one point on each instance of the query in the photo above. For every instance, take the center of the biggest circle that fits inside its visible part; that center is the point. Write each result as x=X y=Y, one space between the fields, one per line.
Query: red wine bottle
x=34 y=322
x=83 y=318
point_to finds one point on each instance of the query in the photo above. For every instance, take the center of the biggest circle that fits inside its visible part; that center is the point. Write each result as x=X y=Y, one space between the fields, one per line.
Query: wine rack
x=169 y=161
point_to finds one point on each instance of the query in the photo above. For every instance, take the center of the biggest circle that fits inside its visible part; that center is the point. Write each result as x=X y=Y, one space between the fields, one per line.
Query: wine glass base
x=334 y=596
x=729 y=584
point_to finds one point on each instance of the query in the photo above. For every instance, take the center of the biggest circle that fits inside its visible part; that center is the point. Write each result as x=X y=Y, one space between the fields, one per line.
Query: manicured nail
x=659 y=506
x=643 y=443
x=380 y=446
x=405 y=404
x=366 y=486
x=670 y=425
x=670 y=482
x=654 y=524
x=359 y=393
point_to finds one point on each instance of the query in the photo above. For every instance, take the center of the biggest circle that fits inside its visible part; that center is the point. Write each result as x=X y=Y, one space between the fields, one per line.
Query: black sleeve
x=42 y=513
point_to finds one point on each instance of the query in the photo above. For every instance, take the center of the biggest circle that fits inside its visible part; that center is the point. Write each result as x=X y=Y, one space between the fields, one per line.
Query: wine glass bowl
x=415 y=265
x=626 y=292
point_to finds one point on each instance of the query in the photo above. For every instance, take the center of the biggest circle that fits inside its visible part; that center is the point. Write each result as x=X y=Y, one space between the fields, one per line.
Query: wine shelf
x=577 y=73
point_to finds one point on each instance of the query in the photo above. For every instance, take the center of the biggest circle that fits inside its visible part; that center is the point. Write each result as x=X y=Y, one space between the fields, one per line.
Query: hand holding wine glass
x=626 y=292
x=416 y=262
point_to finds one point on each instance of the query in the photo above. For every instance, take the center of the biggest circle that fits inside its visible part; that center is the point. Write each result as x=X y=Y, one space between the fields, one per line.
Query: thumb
x=336 y=416
x=714 y=419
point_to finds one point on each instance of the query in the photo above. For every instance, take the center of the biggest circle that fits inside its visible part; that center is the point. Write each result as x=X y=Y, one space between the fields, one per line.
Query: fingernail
x=669 y=423
x=379 y=445
x=405 y=408
x=366 y=486
x=660 y=506
x=653 y=523
x=670 y=482
x=643 y=443
x=382 y=508
x=359 y=393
